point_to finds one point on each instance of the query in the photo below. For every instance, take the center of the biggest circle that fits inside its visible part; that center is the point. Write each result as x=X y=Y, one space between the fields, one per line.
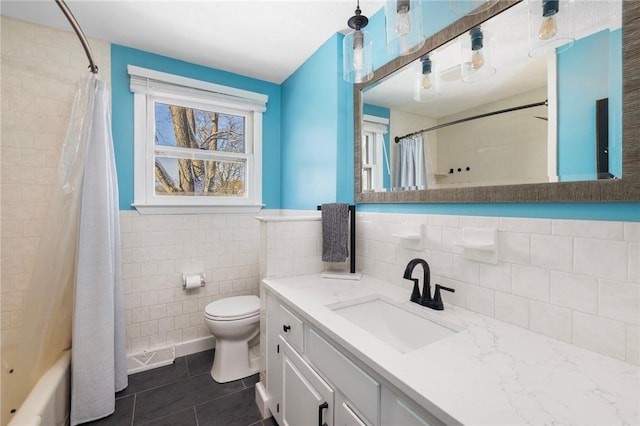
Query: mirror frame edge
x=626 y=189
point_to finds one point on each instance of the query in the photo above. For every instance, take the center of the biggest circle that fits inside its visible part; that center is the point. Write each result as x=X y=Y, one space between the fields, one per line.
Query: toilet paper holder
x=190 y=281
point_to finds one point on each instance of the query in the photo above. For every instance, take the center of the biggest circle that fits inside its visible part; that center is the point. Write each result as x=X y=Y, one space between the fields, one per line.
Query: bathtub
x=49 y=401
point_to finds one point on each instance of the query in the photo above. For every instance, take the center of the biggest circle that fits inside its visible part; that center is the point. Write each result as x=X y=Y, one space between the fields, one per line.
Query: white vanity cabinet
x=307 y=399
x=298 y=395
x=310 y=381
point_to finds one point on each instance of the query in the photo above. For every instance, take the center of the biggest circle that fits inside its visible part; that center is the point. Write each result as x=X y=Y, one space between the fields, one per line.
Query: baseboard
x=262 y=400
x=195 y=345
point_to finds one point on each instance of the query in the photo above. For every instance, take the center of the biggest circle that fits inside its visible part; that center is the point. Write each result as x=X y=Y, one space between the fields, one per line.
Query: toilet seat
x=233 y=308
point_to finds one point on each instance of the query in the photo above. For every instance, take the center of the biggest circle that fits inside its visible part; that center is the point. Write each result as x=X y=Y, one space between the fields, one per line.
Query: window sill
x=165 y=209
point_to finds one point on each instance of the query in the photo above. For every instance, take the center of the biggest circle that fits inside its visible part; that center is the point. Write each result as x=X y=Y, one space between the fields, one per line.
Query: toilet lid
x=233 y=307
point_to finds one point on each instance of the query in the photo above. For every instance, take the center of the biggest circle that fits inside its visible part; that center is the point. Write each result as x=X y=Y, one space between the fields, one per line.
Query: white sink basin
x=392 y=323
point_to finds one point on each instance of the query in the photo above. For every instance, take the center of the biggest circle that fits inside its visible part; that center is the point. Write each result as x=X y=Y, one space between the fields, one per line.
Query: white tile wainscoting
x=158 y=249
x=574 y=280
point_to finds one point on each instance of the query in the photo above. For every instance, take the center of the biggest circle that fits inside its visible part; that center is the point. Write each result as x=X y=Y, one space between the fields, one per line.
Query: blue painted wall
x=122 y=116
x=582 y=79
x=584 y=211
x=315 y=123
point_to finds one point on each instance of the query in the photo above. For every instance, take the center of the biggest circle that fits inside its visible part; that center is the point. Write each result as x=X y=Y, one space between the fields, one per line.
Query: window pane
x=185 y=176
x=199 y=129
x=367 y=180
x=366 y=148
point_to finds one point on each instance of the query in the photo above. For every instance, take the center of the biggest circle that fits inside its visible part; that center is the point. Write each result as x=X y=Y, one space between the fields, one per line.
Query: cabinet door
x=307 y=398
x=274 y=358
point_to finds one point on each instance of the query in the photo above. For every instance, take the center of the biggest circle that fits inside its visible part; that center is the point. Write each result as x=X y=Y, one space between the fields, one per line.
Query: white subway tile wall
x=41 y=67
x=290 y=248
x=158 y=249
x=573 y=280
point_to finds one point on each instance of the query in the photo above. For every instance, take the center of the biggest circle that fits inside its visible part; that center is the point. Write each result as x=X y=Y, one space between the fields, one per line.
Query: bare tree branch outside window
x=199 y=130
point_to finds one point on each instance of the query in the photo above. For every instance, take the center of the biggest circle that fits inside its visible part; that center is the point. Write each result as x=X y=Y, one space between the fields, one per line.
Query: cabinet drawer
x=345 y=414
x=355 y=384
x=291 y=329
x=395 y=410
x=346 y=417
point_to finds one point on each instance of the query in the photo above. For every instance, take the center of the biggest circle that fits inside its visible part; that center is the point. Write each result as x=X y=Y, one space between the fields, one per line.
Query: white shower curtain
x=77 y=252
x=410 y=170
x=98 y=366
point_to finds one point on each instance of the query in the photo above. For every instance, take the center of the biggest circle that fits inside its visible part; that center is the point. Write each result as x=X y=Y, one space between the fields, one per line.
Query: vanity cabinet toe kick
x=310 y=380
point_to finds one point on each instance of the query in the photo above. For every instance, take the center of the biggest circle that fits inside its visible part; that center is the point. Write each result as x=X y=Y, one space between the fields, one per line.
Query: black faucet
x=425 y=299
x=426 y=286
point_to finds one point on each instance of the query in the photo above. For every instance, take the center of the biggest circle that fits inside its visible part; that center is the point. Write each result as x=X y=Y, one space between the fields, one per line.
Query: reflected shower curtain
x=98 y=366
x=410 y=169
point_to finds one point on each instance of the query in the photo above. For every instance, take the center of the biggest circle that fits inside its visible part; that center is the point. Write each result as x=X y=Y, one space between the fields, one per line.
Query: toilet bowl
x=233 y=321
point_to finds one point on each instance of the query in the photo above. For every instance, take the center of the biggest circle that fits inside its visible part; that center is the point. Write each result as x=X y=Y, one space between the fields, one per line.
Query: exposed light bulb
x=358 y=50
x=425 y=82
x=548 y=28
x=477 y=59
x=358 y=59
x=403 y=22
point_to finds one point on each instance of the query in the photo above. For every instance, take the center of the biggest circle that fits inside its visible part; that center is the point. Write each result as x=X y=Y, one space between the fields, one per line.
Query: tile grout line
x=195 y=415
x=133 y=410
x=219 y=397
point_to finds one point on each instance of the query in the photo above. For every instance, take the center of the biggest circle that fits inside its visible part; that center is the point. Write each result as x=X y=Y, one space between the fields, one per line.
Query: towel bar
x=352 y=237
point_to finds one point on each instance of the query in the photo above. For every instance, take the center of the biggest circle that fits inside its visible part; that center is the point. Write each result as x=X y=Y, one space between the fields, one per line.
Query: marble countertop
x=489 y=373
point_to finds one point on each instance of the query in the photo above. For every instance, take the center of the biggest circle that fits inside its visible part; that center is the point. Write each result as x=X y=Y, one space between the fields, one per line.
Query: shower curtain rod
x=475 y=117
x=76 y=27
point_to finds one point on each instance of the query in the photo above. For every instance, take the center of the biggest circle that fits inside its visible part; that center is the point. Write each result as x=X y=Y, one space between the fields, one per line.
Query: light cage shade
x=555 y=32
x=477 y=52
x=357 y=57
x=427 y=81
x=403 y=26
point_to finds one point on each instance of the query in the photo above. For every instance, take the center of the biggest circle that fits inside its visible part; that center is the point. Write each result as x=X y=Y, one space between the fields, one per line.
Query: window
x=197 y=145
x=374 y=153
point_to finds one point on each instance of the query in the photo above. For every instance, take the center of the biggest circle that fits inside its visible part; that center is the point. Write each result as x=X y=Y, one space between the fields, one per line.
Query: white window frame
x=149 y=87
x=376 y=128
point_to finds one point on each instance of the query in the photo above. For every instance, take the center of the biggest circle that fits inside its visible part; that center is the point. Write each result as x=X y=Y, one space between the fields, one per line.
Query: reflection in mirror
x=481 y=110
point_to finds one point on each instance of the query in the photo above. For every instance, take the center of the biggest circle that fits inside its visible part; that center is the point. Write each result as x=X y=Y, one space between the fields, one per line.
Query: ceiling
x=264 y=39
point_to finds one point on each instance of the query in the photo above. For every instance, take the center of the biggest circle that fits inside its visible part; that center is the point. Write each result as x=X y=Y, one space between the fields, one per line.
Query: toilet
x=234 y=322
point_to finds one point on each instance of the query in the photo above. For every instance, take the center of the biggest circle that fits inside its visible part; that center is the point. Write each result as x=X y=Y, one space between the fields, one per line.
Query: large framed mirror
x=528 y=128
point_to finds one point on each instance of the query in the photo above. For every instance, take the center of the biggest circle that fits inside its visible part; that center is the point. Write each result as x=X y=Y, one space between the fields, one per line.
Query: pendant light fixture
x=551 y=26
x=357 y=51
x=477 y=55
x=427 y=85
x=470 y=7
x=403 y=21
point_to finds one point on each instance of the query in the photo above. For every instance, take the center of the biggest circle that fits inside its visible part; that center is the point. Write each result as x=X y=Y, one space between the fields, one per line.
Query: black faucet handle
x=437 y=298
x=452 y=290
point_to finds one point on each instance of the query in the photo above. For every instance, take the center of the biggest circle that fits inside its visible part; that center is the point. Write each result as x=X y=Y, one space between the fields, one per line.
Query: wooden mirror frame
x=625 y=189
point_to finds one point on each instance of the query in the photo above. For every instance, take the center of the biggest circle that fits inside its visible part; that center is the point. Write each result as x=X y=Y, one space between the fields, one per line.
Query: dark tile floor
x=184 y=394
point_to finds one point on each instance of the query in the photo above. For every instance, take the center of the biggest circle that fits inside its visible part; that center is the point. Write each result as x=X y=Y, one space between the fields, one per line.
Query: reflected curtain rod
x=83 y=40
x=475 y=117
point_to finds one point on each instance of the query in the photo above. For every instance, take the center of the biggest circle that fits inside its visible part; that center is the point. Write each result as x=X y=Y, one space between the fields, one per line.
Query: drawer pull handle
x=320 y=408
x=286 y=328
